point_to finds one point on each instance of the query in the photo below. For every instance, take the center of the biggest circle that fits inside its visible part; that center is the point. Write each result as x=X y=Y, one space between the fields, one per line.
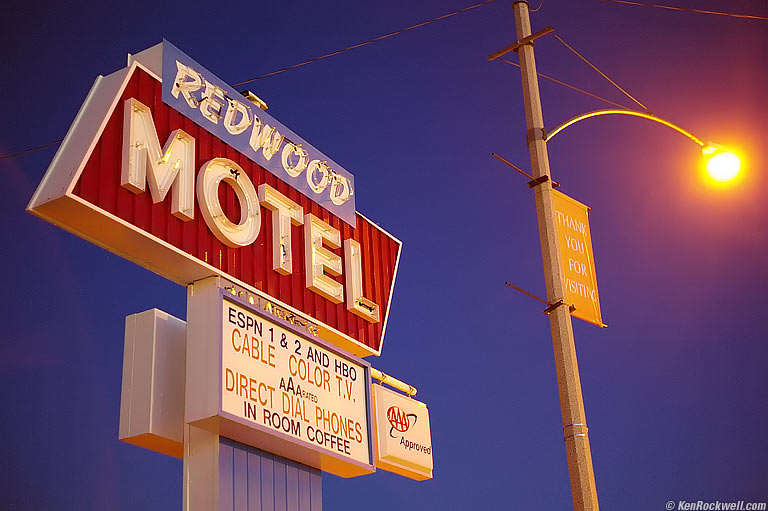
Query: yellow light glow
x=723 y=166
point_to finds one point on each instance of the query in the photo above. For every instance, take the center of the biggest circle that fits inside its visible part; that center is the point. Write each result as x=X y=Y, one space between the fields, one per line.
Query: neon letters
x=172 y=167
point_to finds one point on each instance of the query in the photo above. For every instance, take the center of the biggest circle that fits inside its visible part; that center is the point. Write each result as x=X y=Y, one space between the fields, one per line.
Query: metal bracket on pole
x=537 y=181
x=535 y=134
x=540 y=180
x=557 y=304
x=532 y=182
x=584 y=434
x=552 y=306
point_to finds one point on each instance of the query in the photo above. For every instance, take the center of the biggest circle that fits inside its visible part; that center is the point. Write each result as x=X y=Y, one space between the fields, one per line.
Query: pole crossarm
x=525 y=40
x=631 y=113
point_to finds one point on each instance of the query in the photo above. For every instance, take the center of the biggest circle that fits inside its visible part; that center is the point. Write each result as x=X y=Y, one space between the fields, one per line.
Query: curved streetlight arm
x=625 y=112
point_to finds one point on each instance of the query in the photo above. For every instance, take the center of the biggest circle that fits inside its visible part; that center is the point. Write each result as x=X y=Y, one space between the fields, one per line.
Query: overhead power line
x=688 y=9
x=572 y=87
x=364 y=43
x=547 y=77
x=444 y=16
x=337 y=52
x=448 y=15
x=7 y=156
x=601 y=73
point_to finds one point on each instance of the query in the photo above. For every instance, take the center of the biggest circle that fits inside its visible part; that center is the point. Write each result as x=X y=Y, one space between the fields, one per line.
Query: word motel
x=171 y=168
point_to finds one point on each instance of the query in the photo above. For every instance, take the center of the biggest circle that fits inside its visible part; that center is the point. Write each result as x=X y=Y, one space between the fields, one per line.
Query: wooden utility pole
x=569 y=384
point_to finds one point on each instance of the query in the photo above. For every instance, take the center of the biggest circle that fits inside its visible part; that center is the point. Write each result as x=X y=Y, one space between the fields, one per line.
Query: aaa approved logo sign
x=399 y=420
x=403 y=438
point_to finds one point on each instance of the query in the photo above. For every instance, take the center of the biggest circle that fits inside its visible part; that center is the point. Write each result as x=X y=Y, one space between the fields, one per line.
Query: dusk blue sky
x=675 y=389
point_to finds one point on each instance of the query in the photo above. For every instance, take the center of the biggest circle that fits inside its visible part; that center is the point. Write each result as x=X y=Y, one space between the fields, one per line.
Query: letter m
x=164 y=168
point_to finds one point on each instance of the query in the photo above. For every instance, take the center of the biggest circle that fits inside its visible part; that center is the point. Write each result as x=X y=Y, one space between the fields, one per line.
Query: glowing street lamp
x=722 y=164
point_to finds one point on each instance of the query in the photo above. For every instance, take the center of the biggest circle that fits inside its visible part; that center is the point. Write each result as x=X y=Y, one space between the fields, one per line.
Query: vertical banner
x=577 y=258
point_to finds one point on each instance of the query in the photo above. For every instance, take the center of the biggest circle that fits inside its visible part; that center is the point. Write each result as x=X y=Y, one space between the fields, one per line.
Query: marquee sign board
x=260 y=381
x=167 y=166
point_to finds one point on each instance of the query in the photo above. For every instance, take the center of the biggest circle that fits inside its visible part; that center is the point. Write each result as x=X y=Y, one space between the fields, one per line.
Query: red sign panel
x=93 y=204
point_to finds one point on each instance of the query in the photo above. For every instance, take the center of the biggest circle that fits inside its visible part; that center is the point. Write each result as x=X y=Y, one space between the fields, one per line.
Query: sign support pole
x=569 y=384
